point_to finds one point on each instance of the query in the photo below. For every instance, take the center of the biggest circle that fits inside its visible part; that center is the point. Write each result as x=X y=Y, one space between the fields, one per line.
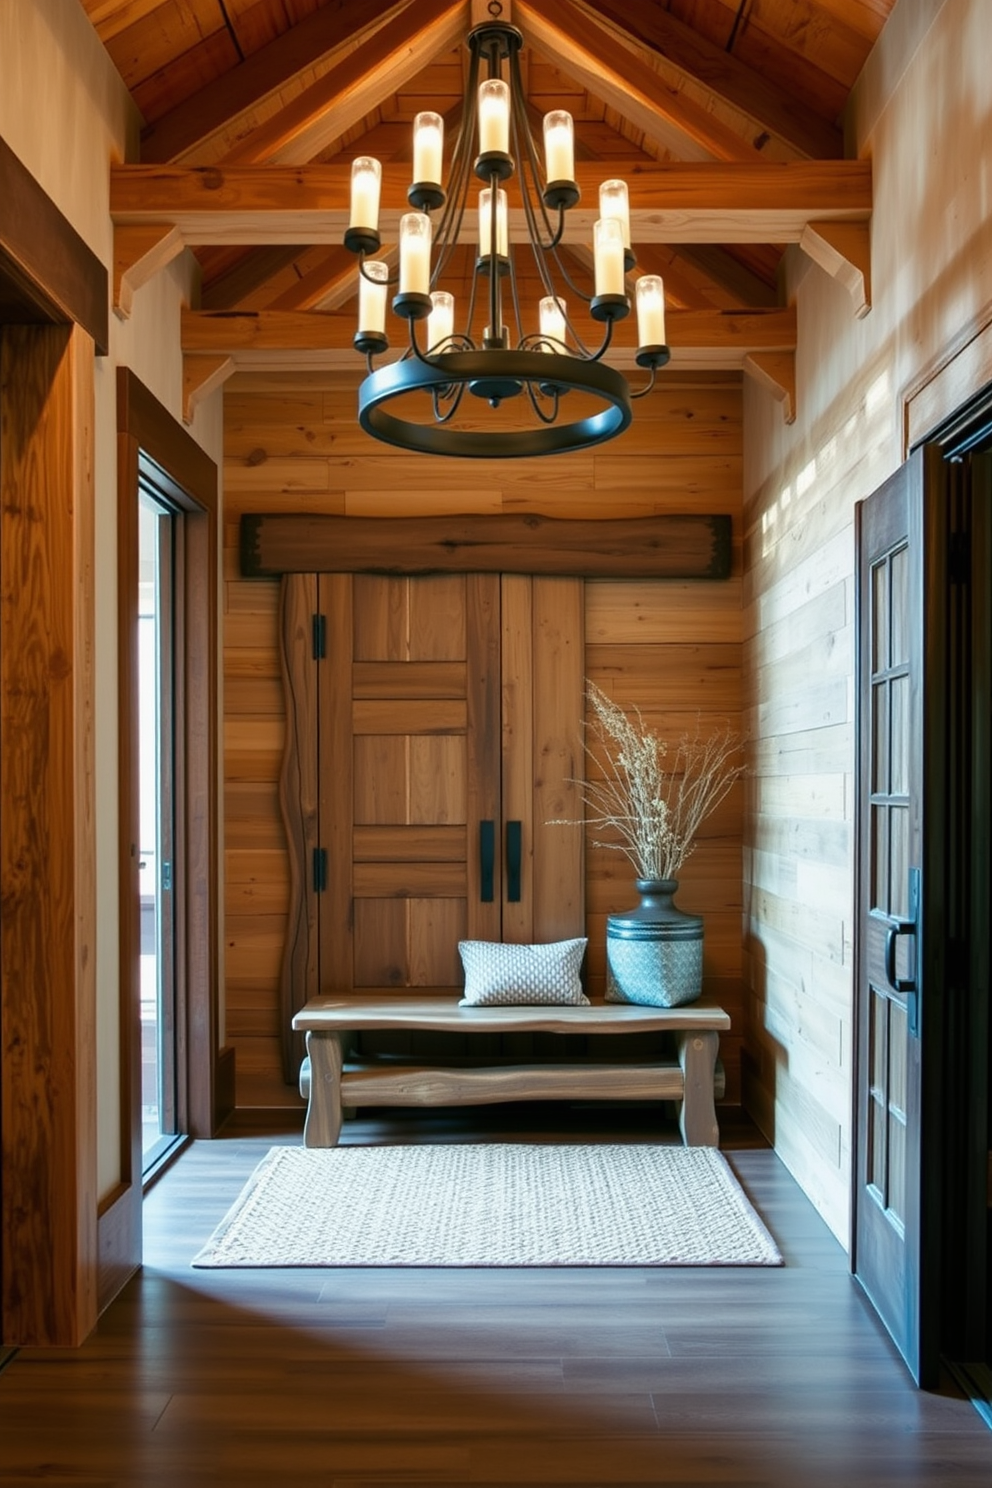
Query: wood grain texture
x=47 y=857
x=670 y=646
x=672 y=547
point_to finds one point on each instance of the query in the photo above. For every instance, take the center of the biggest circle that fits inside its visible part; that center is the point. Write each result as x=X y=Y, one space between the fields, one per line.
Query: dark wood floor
x=387 y=1377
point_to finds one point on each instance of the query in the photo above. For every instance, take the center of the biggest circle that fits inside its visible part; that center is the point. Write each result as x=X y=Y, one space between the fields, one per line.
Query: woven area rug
x=496 y=1204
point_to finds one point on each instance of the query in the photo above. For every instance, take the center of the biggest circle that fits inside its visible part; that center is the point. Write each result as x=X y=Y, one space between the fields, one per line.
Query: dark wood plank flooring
x=373 y=1378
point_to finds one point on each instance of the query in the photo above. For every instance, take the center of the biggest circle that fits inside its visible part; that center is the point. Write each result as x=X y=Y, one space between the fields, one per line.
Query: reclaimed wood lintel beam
x=667 y=547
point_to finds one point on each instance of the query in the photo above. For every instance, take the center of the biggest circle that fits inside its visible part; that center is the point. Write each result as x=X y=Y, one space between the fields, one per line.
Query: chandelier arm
x=449 y=228
x=495 y=295
x=648 y=386
x=552 y=393
x=454 y=392
x=522 y=130
x=607 y=338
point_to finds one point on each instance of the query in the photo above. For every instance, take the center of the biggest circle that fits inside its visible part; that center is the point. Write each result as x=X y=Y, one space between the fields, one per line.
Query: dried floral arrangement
x=650 y=812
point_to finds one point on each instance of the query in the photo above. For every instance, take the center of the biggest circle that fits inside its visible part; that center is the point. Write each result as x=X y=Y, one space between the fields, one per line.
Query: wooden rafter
x=590 y=52
x=722 y=73
x=205 y=126
x=344 y=96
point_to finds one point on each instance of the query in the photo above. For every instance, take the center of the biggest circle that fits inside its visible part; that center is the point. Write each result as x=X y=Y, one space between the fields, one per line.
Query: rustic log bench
x=329 y=1083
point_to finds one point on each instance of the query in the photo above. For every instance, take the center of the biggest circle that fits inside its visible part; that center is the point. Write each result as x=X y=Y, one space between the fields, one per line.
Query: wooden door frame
x=54 y=312
x=153 y=448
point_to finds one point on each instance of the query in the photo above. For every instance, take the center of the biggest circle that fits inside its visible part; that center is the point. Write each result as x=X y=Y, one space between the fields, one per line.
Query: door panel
x=902 y=570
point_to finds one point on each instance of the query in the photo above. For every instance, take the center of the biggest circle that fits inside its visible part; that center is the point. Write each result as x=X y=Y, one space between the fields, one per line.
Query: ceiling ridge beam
x=340 y=99
x=195 y=128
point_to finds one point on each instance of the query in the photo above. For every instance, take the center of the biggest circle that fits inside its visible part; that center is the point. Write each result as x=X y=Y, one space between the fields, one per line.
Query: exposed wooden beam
x=205 y=126
x=139 y=253
x=668 y=546
x=844 y=250
x=328 y=286
x=714 y=68
x=715 y=202
x=591 y=53
x=320 y=340
x=776 y=372
x=344 y=96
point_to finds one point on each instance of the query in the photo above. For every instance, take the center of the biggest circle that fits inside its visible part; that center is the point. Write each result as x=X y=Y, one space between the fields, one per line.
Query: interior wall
x=673 y=649
x=66 y=114
x=922 y=111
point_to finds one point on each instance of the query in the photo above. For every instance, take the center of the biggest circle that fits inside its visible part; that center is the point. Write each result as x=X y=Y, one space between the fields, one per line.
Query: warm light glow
x=441 y=321
x=608 y=249
x=613 y=202
x=552 y=320
x=366 y=179
x=372 y=297
x=428 y=147
x=650 y=295
x=415 y=253
x=559 y=146
x=485 y=223
x=494 y=116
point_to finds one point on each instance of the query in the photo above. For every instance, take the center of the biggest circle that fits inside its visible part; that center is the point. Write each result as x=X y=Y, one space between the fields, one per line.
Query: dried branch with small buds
x=655 y=813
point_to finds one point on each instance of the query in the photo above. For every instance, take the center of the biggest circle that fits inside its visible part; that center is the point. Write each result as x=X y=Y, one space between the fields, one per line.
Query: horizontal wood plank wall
x=292 y=444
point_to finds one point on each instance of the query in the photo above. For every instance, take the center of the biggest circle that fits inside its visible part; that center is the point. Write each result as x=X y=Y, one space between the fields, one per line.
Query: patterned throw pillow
x=517 y=974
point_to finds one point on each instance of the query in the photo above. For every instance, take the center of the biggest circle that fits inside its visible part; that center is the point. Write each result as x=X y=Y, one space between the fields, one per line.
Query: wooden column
x=47 y=850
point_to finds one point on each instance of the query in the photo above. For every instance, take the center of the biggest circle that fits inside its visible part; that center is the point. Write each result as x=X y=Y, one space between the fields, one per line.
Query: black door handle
x=514 y=848
x=908 y=986
x=487 y=860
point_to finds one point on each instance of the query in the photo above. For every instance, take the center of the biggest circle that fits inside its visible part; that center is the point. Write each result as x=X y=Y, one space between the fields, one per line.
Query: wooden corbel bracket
x=776 y=371
x=140 y=251
x=202 y=375
x=844 y=250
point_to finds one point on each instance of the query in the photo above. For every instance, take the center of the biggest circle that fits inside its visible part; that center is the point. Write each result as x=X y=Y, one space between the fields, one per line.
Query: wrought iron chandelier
x=541 y=365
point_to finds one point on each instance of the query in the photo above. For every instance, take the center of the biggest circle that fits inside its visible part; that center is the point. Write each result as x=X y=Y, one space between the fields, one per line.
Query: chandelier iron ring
x=504 y=374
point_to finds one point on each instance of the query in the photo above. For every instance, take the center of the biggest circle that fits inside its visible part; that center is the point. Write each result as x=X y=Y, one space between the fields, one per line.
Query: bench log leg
x=697 y=1120
x=322 y=1127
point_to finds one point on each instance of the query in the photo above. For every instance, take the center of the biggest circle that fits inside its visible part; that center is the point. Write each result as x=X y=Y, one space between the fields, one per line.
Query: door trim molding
x=187 y=477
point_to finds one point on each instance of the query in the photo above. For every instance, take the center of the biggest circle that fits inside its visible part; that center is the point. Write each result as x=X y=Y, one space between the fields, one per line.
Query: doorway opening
x=161 y=1010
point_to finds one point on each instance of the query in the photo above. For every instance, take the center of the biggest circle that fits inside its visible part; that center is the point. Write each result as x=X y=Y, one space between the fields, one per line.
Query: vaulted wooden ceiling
x=663 y=92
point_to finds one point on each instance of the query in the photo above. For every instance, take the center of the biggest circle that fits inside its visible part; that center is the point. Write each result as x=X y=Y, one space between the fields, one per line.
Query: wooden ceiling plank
x=776 y=372
x=844 y=250
x=732 y=276
x=230 y=289
x=335 y=31
x=350 y=91
x=715 y=202
x=139 y=254
x=719 y=70
x=591 y=53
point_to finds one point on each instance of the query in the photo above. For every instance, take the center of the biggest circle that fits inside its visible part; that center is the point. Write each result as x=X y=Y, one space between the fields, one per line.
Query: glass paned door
x=156 y=774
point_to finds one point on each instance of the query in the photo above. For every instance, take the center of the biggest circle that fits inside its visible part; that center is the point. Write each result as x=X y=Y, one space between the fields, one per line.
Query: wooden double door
x=433 y=743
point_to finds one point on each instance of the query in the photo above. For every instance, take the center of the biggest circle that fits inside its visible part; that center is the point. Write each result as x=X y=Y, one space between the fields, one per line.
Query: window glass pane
x=896 y=1194
x=880 y=738
x=899 y=725
x=880 y=858
x=876 y=1146
x=898 y=896
x=879 y=616
x=899 y=599
x=898 y=1051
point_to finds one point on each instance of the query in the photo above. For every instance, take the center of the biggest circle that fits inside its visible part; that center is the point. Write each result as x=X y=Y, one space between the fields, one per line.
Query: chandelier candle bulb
x=441 y=321
x=552 y=319
x=608 y=252
x=650 y=296
x=366 y=181
x=614 y=202
x=494 y=117
x=372 y=297
x=428 y=146
x=415 y=253
x=559 y=146
x=485 y=223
